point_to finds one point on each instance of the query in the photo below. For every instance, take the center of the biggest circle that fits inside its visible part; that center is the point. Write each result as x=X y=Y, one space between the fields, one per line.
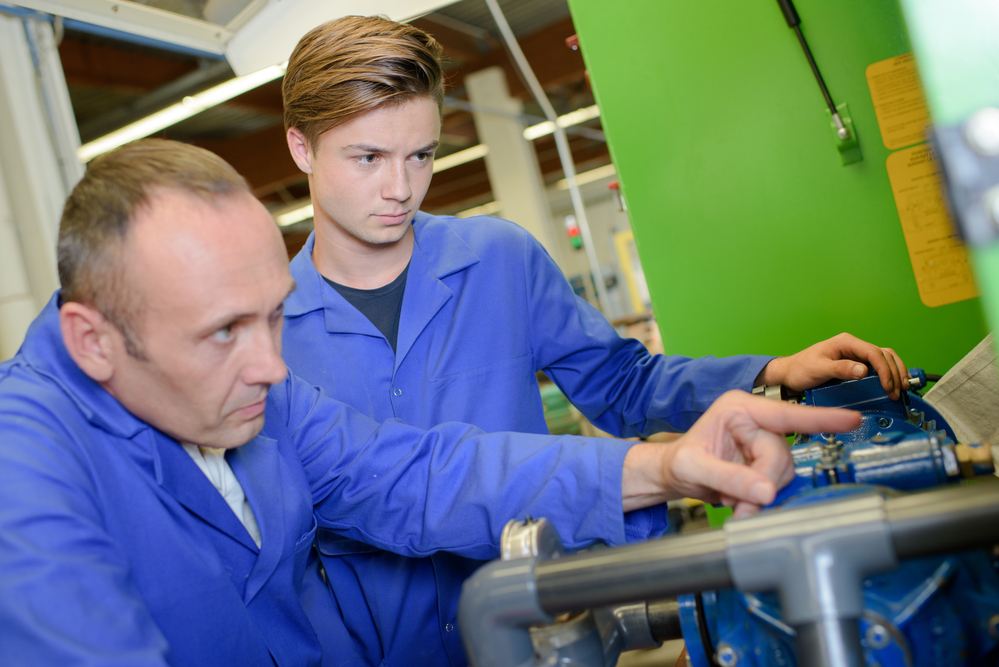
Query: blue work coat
x=484 y=309
x=115 y=549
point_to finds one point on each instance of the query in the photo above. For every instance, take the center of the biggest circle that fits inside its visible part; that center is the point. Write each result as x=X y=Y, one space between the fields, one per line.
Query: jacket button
x=449 y=627
x=397 y=392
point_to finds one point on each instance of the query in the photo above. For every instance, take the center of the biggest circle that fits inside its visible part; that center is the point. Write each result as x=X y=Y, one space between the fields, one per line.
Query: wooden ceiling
x=112 y=83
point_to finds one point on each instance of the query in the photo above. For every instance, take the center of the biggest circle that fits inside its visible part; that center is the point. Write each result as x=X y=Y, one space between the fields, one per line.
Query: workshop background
x=757 y=230
x=752 y=225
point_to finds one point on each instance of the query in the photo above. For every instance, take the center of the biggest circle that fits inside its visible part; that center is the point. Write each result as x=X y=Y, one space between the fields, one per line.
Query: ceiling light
x=173 y=114
x=485 y=209
x=572 y=118
x=295 y=215
x=461 y=157
x=587 y=177
x=581 y=179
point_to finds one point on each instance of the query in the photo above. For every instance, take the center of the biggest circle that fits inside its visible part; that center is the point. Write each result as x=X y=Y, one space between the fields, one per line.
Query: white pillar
x=512 y=163
x=17 y=305
x=38 y=167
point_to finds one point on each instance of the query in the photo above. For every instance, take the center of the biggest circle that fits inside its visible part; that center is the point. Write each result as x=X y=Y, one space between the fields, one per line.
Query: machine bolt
x=878 y=636
x=726 y=656
x=884 y=422
x=982 y=132
x=994 y=626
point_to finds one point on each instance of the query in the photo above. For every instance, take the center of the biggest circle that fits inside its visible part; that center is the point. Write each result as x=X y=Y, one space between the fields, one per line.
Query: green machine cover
x=754 y=236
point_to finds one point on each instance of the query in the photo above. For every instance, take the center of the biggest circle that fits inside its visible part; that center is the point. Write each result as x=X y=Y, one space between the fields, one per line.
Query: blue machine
x=934 y=611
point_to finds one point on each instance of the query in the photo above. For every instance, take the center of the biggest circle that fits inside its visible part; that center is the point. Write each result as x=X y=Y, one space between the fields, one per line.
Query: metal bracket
x=817 y=565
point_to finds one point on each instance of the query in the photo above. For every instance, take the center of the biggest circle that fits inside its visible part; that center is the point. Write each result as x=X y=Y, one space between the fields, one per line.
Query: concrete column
x=38 y=168
x=512 y=163
x=17 y=305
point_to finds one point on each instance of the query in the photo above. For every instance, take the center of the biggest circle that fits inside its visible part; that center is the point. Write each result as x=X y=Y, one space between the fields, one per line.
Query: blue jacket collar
x=45 y=351
x=443 y=251
x=254 y=463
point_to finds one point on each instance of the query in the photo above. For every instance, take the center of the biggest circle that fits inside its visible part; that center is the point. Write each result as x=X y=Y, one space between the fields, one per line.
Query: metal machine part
x=817 y=577
x=931 y=610
x=594 y=636
x=910 y=414
x=816 y=544
x=901 y=445
x=817 y=570
x=530 y=537
x=504 y=599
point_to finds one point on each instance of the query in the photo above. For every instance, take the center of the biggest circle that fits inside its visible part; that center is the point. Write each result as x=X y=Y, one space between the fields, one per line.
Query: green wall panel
x=753 y=236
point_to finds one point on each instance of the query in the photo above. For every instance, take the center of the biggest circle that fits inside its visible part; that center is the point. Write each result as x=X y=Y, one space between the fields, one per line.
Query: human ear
x=299 y=147
x=85 y=332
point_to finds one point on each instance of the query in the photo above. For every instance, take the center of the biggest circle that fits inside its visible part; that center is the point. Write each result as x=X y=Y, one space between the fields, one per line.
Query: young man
x=431 y=319
x=162 y=475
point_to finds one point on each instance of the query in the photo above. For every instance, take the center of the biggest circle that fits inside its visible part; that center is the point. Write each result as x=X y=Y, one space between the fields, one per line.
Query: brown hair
x=96 y=216
x=349 y=66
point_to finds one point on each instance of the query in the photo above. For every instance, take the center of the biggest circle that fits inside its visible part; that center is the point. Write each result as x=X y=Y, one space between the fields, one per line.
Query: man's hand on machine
x=733 y=454
x=836 y=359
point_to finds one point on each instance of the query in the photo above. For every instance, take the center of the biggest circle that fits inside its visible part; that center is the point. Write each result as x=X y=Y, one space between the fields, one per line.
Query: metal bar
x=562 y=143
x=830 y=642
x=633 y=573
x=131 y=17
x=946 y=520
x=664 y=619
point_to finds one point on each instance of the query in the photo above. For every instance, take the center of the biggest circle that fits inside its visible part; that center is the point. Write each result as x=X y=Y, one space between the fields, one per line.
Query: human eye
x=423 y=157
x=367 y=159
x=224 y=335
x=276 y=316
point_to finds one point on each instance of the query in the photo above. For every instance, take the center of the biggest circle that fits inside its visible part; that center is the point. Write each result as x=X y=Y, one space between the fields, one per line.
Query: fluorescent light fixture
x=295 y=215
x=586 y=177
x=485 y=209
x=182 y=110
x=572 y=118
x=461 y=157
x=533 y=132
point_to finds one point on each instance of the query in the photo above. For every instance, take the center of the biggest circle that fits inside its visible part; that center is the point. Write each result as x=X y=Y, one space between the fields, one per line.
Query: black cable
x=794 y=22
x=702 y=629
x=815 y=70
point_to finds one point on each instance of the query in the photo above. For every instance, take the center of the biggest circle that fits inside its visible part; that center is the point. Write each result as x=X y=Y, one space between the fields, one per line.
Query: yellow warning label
x=898 y=99
x=939 y=258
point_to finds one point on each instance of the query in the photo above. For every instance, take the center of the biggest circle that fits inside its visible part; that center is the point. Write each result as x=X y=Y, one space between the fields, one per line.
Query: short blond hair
x=97 y=216
x=351 y=65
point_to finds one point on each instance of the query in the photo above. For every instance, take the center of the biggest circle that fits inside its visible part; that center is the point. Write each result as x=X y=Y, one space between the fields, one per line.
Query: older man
x=162 y=476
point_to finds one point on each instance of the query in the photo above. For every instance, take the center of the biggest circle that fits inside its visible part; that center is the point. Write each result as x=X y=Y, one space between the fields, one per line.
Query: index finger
x=780 y=417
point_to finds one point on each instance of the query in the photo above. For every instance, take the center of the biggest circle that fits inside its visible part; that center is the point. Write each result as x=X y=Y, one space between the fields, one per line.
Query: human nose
x=397 y=184
x=265 y=363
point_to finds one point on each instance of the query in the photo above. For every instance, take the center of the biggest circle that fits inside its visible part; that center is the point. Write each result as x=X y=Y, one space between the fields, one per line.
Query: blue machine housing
x=910 y=414
x=929 y=612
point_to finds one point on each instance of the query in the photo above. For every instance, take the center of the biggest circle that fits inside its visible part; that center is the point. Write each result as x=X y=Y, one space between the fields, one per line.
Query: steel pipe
x=633 y=573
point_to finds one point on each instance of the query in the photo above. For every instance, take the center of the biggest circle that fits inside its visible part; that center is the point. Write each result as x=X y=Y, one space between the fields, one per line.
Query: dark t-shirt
x=382 y=305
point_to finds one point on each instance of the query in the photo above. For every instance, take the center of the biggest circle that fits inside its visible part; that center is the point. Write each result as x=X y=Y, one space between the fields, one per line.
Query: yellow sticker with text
x=939 y=257
x=898 y=99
